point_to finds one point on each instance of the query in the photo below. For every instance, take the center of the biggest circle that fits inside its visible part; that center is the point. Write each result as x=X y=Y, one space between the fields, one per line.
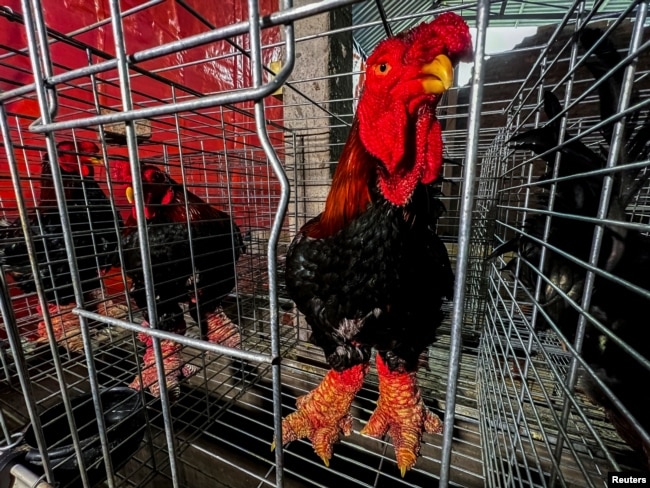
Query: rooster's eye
x=382 y=69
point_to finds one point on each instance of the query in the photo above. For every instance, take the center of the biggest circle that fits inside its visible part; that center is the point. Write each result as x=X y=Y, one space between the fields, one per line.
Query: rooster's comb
x=453 y=29
x=452 y=33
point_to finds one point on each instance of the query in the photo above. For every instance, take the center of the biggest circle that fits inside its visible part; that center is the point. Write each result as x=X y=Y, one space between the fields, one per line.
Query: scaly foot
x=113 y=309
x=65 y=325
x=401 y=412
x=109 y=307
x=323 y=414
x=222 y=330
x=174 y=368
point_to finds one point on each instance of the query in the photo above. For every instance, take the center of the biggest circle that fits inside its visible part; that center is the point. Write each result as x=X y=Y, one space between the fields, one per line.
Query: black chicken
x=370 y=271
x=193 y=249
x=624 y=253
x=95 y=235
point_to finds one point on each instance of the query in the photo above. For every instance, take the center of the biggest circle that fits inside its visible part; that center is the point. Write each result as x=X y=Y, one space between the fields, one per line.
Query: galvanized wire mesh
x=546 y=420
x=201 y=104
x=163 y=106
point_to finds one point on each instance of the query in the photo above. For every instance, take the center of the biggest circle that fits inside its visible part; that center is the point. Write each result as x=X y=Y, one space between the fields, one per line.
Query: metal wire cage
x=555 y=407
x=248 y=109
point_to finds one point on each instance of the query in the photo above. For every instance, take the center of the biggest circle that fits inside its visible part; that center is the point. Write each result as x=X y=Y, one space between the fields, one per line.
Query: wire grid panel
x=180 y=111
x=561 y=362
x=186 y=103
x=59 y=369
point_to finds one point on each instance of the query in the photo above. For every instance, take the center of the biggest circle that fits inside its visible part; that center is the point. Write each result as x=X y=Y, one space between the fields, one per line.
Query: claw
x=323 y=414
x=112 y=309
x=108 y=307
x=175 y=370
x=402 y=414
x=65 y=326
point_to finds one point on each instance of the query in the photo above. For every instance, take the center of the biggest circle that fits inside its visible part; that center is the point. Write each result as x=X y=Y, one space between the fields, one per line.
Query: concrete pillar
x=319 y=135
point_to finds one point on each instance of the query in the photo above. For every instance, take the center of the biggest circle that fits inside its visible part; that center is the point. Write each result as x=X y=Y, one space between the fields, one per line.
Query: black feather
x=545 y=138
x=94 y=235
x=185 y=258
x=625 y=253
x=379 y=282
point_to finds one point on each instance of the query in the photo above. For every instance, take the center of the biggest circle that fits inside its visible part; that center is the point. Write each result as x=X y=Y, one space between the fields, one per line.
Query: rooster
x=193 y=248
x=370 y=271
x=95 y=236
x=624 y=253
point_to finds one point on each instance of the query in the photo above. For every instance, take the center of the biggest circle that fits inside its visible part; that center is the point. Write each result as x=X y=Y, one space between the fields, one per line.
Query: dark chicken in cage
x=193 y=249
x=95 y=233
x=370 y=271
x=613 y=335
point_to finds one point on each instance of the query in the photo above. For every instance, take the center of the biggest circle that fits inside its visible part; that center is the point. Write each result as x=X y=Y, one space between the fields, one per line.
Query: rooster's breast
x=378 y=280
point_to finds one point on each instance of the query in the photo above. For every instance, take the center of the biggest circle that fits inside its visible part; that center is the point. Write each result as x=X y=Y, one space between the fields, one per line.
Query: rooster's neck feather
x=350 y=193
x=182 y=202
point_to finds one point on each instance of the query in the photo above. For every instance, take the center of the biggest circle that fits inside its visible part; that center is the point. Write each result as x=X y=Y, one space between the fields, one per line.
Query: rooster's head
x=158 y=188
x=405 y=78
x=78 y=157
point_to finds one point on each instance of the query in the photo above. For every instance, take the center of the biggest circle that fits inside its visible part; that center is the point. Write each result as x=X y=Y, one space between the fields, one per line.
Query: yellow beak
x=438 y=75
x=96 y=160
x=129 y=194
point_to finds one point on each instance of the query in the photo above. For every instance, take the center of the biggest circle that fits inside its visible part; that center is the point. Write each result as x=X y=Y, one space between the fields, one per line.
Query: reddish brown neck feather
x=349 y=195
x=173 y=206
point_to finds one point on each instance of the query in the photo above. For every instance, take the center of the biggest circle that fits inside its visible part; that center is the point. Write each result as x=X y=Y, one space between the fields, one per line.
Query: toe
x=432 y=423
x=323 y=442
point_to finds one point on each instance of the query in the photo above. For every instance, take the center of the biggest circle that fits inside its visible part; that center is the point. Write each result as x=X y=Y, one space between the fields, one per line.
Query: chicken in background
x=370 y=271
x=579 y=196
x=193 y=250
x=624 y=253
x=95 y=235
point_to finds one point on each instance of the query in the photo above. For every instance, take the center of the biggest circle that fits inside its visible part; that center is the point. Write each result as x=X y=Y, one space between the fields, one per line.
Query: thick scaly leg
x=324 y=413
x=65 y=325
x=222 y=330
x=401 y=412
x=174 y=366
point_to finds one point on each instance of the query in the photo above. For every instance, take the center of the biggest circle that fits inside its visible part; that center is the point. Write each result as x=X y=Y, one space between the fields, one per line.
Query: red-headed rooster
x=370 y=271
x=193 y=248
x=95 y=235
